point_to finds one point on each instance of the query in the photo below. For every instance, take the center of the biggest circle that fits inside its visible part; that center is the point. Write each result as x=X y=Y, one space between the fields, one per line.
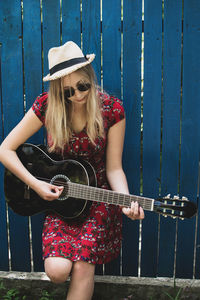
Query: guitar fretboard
x=86 y=192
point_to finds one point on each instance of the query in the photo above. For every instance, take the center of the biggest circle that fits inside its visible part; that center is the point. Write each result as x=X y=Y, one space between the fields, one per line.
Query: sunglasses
x=81 y=87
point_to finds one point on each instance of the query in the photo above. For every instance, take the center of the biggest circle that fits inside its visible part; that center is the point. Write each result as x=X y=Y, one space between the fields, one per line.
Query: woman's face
x=76 y=88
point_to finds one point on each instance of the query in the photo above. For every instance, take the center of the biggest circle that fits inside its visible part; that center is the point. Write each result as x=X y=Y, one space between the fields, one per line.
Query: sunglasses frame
x=81 y=87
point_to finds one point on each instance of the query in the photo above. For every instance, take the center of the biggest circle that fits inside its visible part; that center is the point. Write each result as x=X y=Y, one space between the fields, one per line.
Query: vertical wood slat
x=132 y=33
x=91 y=40
x=51 y=35
x=91 y=33
x=190 y=143
x=33 y=87
x=171 y=128
x=13 y=109
x=71 y=21
x=4 y=263
x=111 y=39
x=151 y=131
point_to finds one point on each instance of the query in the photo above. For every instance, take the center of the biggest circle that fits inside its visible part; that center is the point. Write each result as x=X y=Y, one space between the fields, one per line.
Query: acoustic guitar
x=79 y=181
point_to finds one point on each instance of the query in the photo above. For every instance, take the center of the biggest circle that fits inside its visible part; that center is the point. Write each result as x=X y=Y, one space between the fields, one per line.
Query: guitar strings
x=86 y=192
x=107 y=196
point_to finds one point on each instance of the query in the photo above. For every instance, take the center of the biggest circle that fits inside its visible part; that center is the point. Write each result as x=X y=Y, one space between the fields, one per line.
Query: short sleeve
x=117 y=111
x=113 y=109
x=39 y=106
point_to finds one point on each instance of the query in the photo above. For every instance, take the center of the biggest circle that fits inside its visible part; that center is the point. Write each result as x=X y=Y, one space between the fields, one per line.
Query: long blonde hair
x=59 y=112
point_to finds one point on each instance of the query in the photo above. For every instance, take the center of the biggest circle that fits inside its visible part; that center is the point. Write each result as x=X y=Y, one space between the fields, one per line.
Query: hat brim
x=67 y=71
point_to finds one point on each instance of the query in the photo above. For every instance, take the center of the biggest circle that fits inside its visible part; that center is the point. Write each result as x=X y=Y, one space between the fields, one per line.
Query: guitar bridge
x=26 y=192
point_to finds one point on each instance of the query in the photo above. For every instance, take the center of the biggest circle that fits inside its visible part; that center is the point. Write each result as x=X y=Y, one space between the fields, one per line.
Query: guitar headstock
x=175 y=207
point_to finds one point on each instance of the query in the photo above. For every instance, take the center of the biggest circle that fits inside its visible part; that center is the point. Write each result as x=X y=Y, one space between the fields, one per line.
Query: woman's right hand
x=48 y=191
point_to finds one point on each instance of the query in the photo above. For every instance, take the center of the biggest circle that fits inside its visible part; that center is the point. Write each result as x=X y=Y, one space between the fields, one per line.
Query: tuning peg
x=173 y=217
x=168 y=196
x=185 y=198
x=176 y=197
x=182 y=219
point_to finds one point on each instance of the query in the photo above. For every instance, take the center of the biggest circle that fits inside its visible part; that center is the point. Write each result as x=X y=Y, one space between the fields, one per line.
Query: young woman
x=81 y=122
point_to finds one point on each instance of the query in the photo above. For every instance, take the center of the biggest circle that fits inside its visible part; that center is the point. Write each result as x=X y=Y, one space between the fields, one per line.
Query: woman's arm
x=29 y=125
x=114 y=170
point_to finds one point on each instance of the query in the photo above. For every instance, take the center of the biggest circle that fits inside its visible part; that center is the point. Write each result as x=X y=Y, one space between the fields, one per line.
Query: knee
x=57 y=269
x=57 y=276
x=83 y=270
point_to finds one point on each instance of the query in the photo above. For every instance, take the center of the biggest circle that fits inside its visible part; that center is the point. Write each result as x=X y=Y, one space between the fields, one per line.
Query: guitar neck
x=86 y=192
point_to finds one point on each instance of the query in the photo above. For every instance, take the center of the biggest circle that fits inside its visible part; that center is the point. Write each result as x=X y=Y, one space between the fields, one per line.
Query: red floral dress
x=98 y=239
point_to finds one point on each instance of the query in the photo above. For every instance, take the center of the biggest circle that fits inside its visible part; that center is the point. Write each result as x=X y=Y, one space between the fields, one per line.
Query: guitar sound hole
x=59 y=180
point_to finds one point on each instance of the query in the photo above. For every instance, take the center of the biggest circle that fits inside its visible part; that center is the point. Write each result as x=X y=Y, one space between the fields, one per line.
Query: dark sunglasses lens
x=69 y=93
x=82 y=87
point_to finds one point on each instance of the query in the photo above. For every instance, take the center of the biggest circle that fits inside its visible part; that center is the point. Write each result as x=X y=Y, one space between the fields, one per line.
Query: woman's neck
x=78 y=118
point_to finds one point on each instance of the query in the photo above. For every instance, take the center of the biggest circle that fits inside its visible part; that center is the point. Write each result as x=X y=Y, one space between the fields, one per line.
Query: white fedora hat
x=66 y=59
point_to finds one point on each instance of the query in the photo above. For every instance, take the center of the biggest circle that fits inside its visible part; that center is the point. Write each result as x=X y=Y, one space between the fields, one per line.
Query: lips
x=80 y=100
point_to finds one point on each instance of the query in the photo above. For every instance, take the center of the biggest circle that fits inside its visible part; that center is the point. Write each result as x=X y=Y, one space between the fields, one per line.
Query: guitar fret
x=113 y=197
x=107 y=196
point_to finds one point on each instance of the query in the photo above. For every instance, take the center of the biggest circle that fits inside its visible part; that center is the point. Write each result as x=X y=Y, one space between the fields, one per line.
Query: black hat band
x=67 y=64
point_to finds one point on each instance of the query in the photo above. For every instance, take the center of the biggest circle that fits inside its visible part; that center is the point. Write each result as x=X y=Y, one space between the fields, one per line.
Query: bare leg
x=57 y=268
x=82 y=281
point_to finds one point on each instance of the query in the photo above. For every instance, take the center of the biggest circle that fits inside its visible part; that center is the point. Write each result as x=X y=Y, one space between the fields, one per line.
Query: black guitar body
x=79 y=181
x=24 y=201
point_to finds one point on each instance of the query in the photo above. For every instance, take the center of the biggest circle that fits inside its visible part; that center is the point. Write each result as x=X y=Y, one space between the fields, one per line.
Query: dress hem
x=99 y=262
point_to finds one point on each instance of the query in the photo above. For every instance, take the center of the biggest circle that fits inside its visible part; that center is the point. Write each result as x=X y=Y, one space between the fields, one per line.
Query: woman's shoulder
x=41 y=100
x=108 y=101
x=112 y=107
x=42 y=97
x=39 y=106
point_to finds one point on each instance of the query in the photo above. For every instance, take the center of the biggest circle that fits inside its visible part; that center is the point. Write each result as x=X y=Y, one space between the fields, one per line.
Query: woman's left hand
x=135 y=212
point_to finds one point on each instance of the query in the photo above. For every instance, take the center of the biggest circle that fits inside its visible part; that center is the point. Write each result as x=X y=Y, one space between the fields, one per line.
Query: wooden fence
x=147 y=54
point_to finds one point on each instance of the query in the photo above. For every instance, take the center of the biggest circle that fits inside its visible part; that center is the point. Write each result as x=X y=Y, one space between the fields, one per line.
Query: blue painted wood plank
x=13 y=105
x=51 y=35
x=151 y=129
x=4 y=263
x=91 y=43
x=132 y=33
x=111 y=39
x=91 y=33
x=33 y=87
x=36 y=227
x=170 y=128
x=197 y=258
x=71 y=21
x=189 y=134
x=4 y=260
x=32 y=51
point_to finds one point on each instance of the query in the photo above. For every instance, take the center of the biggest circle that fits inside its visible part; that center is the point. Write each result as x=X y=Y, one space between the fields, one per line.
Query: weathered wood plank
x=51 y=35
x=132 y=34
x=4 y=263
x=91 y=33
x=33 y=87
x=111 y=39
x=170 y=128
x=13 y=109
x=71 y=21
x=190 y=133
x=151 y=128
